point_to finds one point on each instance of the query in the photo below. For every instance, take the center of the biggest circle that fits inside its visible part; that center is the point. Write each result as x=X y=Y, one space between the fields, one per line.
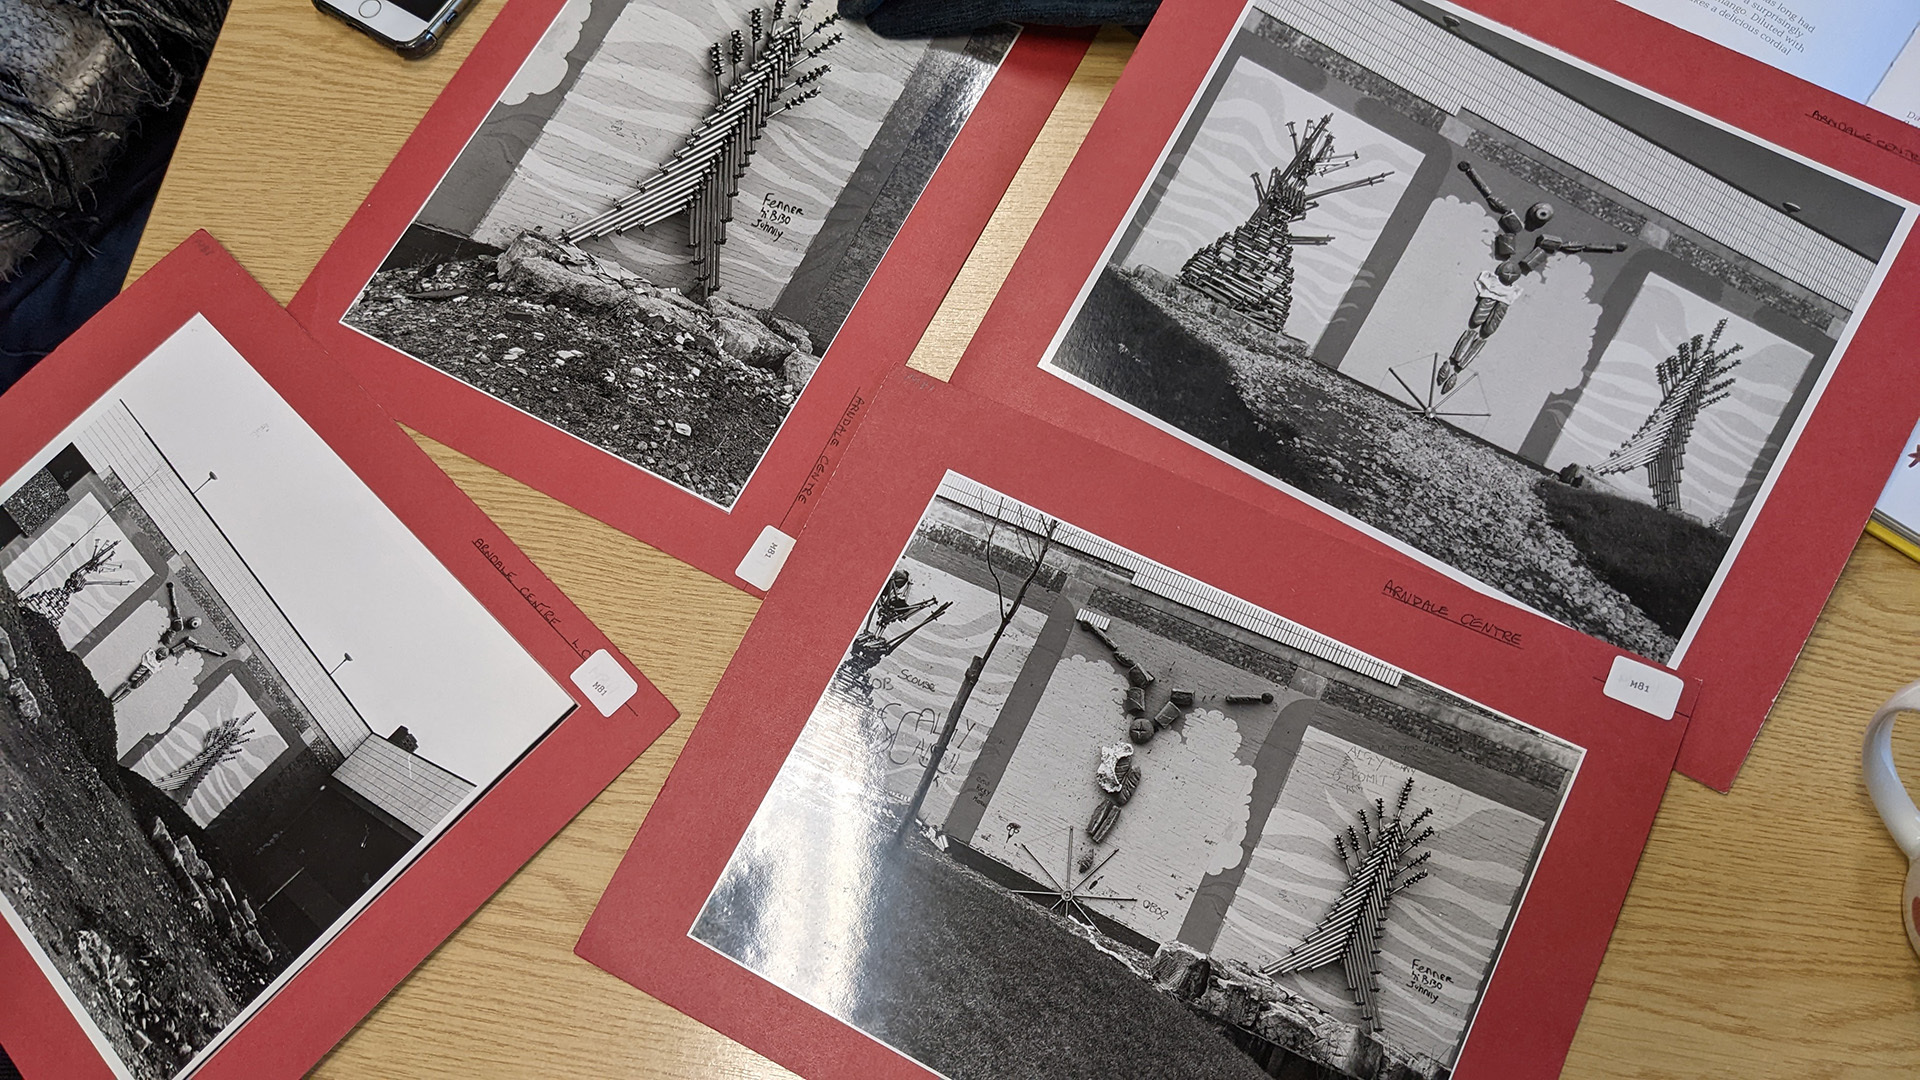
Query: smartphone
x=412 y=28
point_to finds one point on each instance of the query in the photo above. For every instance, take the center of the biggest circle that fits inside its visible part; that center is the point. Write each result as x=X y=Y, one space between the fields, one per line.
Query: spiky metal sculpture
x=1690 y=380
x=52 y=603
x=1376 y=855
x=1251 y=268
x=755 y=79
x=222 y=743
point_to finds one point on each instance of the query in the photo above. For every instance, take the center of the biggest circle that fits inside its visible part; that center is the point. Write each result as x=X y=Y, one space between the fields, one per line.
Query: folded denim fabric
x=937 y=18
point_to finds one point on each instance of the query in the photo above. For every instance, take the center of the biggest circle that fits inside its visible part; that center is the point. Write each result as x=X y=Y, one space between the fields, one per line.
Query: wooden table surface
x=1762 y=936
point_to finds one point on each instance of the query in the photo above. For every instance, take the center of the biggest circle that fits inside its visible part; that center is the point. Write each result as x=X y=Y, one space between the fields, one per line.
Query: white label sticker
x=1644 y=687
x=606 y=684
x=765 y=558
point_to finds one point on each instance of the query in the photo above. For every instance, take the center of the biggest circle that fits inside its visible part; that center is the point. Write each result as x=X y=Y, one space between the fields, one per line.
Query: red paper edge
x=496 y=835
x=920 y=429
x=1799 y=542
x=886 y=323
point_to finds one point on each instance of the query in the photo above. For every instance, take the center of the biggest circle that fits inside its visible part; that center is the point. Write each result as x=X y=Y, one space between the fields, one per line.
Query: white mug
x=1891 y=799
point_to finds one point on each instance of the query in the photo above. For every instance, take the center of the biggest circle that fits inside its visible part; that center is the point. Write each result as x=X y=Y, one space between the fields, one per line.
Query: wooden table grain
x=1762 y=936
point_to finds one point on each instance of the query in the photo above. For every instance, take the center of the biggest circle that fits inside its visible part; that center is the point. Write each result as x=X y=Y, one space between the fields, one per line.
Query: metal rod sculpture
x=754 y=79
x=1376 y=855
x=1690 y=380
x=222 y=743
x=1251 y=268
x=1068 y=894
x=52 y=603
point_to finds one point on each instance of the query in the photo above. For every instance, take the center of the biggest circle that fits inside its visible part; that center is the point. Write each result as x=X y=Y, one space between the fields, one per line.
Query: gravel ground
x=79 y=871
x=1254 y=395
x=688 y=392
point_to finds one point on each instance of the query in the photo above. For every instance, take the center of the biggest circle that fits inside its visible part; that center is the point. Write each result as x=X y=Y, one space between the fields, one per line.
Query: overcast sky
x=348 y=574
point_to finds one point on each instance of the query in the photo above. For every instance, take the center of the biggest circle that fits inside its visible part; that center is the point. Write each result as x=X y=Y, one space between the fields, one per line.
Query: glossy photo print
x=663 y=223
x=237 y=698
x=1511 y=315
x=1064 y=811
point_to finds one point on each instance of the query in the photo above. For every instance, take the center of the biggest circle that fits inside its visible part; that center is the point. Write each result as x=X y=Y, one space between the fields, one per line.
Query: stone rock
x=792 y=331
x=1139 y=676
x=24 y=702
x=1141 y=730
x=7 y=655
x=538 y=266
x=1236 y=994
x=749 y=342
x=1181 y=970
x=1105 y=817
x=1136 y=704
x=658 y=310
x=1168 y=716
x=1183 y=698
x=722 y=308
x=799 y=367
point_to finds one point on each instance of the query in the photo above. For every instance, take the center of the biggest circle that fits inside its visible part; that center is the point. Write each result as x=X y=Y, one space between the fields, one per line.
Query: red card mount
x=763 y=895
x=267 y=736
x=695 y=515
x=1488 y=333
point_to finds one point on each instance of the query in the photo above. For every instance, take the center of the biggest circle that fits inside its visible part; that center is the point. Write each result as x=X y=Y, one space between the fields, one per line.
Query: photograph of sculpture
x=659 y=229
x=237 y=696
x=1064 y=811
x=1515 y=318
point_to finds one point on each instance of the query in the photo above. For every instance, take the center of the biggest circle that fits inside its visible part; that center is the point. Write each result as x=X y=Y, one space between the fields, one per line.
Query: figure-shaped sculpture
x=871 y=646
x=222 y=743
x=52 y=603
x=175 y=641
x=1498 y=289
x=1376 y=855
x=1687 y=385
x=1251 y=268
x=754 y=79
x=893 y=607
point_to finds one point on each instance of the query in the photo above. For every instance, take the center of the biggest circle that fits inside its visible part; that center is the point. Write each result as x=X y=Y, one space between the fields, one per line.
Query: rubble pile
x=209 y=894
x=17 y=691
x=691 y=391
x=157 y=1030
x=1235 y=995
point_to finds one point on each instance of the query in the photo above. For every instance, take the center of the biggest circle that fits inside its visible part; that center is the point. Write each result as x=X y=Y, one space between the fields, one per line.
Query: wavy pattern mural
x=915 y=686
x=224 y=784
x=634 y=103
x=1730 y=439
x=1442 y=934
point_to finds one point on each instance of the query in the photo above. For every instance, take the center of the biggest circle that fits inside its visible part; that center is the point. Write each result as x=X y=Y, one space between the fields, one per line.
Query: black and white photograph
x=1512 y=316
x=239 y=696
x=1062 y=810
x=660 y=227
